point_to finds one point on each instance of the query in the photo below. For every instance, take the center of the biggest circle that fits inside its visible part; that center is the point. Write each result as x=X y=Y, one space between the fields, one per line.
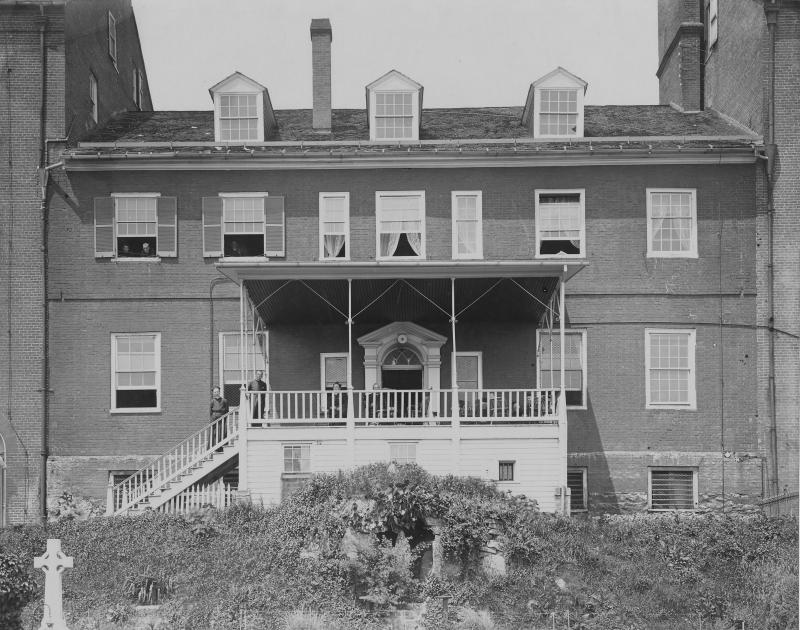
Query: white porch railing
x=218 y=494
x=173 y=463
x=369 y=407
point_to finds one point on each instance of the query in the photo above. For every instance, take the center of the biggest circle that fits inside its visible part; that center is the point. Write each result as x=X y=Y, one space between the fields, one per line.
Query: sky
x=466 y=53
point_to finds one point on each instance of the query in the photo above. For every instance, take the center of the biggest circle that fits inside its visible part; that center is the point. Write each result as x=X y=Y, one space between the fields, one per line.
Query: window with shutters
x=112 y=37
x=136 y=372
x=669 y=373
x=243 y=225
x=671 y=223
x=559 y=223
x=672 y=488
x=403 y=452
x=467 y=224
x=334 y=226
x=333 y=370
x=141 y=226
x=400 y=224
x=548 y=364
x=576 y=482
x=233 y=361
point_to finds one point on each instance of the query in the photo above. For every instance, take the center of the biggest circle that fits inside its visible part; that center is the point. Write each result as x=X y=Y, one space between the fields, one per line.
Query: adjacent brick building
x=48 y=52
x=742 y=59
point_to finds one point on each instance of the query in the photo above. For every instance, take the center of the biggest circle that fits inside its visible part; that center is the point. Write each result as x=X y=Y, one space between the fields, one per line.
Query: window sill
x=557 y=256
x=243 y=258
x=129 y=411
x=139 y=259
x=672 y=255
x=686 y=407
x=335 y=260
x=475 y=257
x=398 y=258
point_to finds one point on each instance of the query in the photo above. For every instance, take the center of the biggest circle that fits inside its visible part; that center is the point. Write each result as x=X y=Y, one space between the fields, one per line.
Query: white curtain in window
x=400 y=215
x=389 y=244
x=333 y=244
x=415 y=240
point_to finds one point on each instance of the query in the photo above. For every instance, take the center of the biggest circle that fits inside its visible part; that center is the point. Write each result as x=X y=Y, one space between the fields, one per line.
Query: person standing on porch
x=219 y=407
x=259 y=400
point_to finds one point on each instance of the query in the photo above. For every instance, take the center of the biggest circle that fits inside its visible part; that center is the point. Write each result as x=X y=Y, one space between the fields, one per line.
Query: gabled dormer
x=242 y=110
x=394 y=105
x=554 y=107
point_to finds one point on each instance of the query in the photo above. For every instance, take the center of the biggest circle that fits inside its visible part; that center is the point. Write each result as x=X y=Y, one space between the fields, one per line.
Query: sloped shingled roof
x=437 y=124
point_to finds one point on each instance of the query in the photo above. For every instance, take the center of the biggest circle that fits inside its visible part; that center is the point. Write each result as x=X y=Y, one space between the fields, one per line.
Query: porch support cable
x=547 y=306
x=324 y=299
x=425 y=297
x=264 y=301
x=382 y=293
x=351 y=425
x=480 y=297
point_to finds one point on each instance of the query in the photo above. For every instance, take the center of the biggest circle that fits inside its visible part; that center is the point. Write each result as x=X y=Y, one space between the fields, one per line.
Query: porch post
x=562 y=399
x=244 y=401
x=351 y=425
x=454 y=419
x=242 y=368
x=562 y=335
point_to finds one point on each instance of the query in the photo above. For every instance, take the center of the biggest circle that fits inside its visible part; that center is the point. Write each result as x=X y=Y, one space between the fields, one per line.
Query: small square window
x=394 y=116
x=403 y=452
x=297 y=458
x=576 y=482
x=505 y=471
x=673 y=488
x=560 y=224
x=558 y=113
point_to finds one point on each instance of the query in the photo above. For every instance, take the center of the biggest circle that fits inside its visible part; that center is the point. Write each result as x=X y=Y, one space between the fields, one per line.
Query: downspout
x=772 y=152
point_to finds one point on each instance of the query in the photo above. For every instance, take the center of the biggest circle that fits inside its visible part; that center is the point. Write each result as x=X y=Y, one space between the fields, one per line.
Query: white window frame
x=585 y=368
x=112 y=38
x=332 y=355
x=414 y=116
x=537 y=111
x=379 y=196
x=410 y=446
x=692 y=251
x=93 y=110
x=478 y=354
x=249 y=370
x=513 y=463
x=712 y=24
x=653 y=469
x=581 y=192
x=249 y=195
x=135 y=410
x=334 y=195
x=691 y=403
x=302 y=445
x=218 y=118
x=584 y=474
x=155 y=257
x=478 y=255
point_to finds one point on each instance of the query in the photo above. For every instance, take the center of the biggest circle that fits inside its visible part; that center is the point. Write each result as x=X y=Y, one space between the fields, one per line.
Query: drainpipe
x=771 y=12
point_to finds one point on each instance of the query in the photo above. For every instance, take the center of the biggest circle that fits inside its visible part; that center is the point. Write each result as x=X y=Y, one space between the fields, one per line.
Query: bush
x=17 y=589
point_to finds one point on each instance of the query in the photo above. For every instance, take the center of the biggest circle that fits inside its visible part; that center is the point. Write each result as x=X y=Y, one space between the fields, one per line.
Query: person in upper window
x=146 y=251
x=126 y=250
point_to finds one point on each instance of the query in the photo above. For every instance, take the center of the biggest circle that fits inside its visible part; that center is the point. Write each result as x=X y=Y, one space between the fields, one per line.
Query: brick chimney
x=321 y=38
x=681 y=51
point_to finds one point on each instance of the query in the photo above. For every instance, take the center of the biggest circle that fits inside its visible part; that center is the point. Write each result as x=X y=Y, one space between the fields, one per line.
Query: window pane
x=335 y=371
x=231 y=358
x=672 y=489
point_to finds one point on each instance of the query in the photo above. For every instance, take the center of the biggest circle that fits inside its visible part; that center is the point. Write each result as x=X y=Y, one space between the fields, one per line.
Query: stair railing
x=174 y=462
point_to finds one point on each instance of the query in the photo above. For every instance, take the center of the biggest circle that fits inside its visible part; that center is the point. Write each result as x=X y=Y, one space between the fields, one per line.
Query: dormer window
x=554 y=108
x=242 y=110
x=394 y=103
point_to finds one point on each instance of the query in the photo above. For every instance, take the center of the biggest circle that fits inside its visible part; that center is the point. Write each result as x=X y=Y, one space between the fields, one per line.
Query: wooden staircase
x=177 y=470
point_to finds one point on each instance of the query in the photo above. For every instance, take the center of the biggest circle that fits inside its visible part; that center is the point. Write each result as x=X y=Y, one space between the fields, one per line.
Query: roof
x=447 y=124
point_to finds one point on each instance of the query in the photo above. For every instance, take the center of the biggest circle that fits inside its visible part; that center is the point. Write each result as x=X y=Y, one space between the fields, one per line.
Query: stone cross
x=53 y=563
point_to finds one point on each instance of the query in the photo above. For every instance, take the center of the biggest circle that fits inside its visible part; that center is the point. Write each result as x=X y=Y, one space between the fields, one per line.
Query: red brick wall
x=680 y=53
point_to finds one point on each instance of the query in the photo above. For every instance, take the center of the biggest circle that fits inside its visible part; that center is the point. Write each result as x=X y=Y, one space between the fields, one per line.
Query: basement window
x=296 y=458
x=560 y=224
x=505 y=471
x=672 y=489
x=576 y=482
x=403 y=452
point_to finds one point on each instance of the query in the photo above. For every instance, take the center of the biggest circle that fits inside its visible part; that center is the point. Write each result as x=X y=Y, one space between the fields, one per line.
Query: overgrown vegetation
x=287 y=567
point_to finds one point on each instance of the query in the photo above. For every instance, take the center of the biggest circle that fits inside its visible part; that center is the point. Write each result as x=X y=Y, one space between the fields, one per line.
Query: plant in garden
x=382 y=574
x=17 y=589
x=149 y=589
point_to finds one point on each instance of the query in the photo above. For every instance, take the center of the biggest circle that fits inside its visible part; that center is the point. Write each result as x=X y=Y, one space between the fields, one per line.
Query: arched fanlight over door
x=401 y=358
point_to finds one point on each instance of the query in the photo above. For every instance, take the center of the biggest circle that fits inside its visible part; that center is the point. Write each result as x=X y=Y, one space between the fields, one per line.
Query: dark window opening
x=559 y=247
x=575 y=483
x=404 y=247
x=137 y=398
x=238 y=245
x=574 y=398
x=506 y=472
x=136 y=247
x=231 y=393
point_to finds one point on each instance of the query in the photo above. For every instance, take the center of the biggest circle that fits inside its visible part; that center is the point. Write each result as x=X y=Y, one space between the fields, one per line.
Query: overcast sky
x=466 y=53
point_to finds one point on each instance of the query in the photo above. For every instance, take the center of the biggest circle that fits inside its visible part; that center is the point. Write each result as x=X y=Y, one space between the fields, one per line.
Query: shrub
x=17 y=589
x=475 y=620
x=305 y=620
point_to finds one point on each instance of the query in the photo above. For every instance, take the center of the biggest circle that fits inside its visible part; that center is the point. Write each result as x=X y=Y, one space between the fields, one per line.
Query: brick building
x=67 y=67
x=556 y=296
x=742 y=59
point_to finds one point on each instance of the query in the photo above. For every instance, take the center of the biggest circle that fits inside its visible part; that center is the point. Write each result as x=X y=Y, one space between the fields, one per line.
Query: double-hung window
x=400 y=224
x=93 y=97
x=671 y=223
x=394 y=117
x=403 y=452
x=238 y=117
x=467 y=224
x=334 y=226
x=560 y=224
x=670 y=369
x=136 y=372
x=135 y=226
x=548 y=364
x=558 y=112
x=240 y=225
x=672 y=488
x=238 y=367
x=112 y=37
x=296 y=458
